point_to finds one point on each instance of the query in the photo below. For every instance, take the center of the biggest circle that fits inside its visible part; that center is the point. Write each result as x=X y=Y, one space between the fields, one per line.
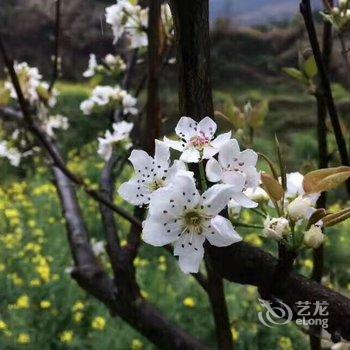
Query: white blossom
x=236 y=168
x=179 y=214
x=275 y=228
x=87 y=106
x=33 y=88
x=10 y=153
x=113 y=97
x=314 y=237
x=129 y=19
x=55 y=122
x=197 y=141
x=150 y=174
x=98 y=247
x=114 y=62
x=92 y=67
x=120 y=132
x=300 y=208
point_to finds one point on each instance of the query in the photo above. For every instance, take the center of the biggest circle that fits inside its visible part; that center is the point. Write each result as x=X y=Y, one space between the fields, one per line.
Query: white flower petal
x=248 y=157
x=159 y=233
x=221 y=139
x=207 y=127
x=134 y=192
x=209 y=152
x=216 y=198
x=141 y=161
x=173 y=200
x=228 y=153
x=178 y=145
x=162 y=153
x=243 y=200
x=165 y=204
x=189 y=249
x=190 y=155
x=235 y=178
x=252 y=177
x=213 y=170
x=221 y=233
x=186 y=128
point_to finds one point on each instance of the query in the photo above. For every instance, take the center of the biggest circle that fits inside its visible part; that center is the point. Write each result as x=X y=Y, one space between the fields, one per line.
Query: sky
x=250 y=12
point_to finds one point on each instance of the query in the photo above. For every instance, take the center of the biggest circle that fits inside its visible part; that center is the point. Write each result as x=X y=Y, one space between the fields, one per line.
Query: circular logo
x=275 y=313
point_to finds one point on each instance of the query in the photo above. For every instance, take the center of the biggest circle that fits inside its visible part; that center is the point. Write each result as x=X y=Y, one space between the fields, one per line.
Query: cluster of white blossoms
x=294 y=224
x=131 y=20
x=111 y=97
x=54 y=122
x=111 y=64
x=41 y=99
x=10 y=153
x=35 y=90
x=177 y=212
x=128 y=19
x=119 y=136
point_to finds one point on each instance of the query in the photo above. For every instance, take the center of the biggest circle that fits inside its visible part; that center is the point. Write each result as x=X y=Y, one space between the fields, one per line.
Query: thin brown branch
x=107 y=185
x=318 y=254
x=306 y=11
x=56 y=57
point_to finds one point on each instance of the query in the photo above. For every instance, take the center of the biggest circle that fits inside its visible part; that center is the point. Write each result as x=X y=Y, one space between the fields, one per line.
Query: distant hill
x=252 y=12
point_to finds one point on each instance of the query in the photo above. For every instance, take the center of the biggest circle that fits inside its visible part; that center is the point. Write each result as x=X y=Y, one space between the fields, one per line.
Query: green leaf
x=310 y=67
x=282 y=165
x=296 y=74
x=258 y=114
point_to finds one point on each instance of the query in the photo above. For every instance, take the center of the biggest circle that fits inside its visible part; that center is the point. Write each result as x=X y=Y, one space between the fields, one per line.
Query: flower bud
x=275 y=228
x=335 y=11
x=298 y=208
x=257 y=195
x=314 y=237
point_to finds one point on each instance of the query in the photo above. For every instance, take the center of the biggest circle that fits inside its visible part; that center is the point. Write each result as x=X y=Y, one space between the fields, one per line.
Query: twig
x=55 y=70
x=305 y=9
x=107 y=185
x=318 y=254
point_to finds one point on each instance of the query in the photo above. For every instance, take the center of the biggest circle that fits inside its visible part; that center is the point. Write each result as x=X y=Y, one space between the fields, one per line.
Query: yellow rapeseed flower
x=35 y=282
x=145 y=295
x=3 y=326
x=98 y=323
x=308 y=263
x=136 y=344
x=235 y=334
x=45 y=304
x=285 y=343
x=78 y=317
x=189 y=302
x=22 y=302
x=67 y=337
x=23 y=338
x=78 y=306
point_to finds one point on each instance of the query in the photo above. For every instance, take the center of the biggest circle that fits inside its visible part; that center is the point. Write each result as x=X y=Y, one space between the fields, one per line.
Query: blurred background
x=252 y=41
